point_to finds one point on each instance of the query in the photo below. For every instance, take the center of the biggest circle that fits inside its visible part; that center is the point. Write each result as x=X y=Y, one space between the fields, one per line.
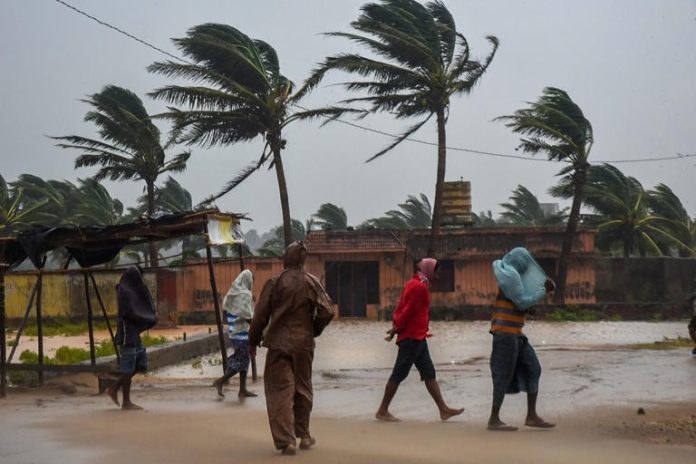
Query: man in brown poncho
x=293 y=309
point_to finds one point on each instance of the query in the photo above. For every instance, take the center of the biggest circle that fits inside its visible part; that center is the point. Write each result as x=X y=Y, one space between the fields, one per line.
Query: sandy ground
x=591 y=389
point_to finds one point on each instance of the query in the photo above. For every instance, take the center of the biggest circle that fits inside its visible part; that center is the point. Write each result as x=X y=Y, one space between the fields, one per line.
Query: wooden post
x=241 y=255
x=39 y=324
x=106 y=316
x=23 y=324
x=218 y=317
x=90 y=326
x=3 y=346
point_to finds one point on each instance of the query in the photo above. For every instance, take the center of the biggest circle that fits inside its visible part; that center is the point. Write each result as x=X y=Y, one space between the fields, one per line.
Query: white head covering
x=239 y=300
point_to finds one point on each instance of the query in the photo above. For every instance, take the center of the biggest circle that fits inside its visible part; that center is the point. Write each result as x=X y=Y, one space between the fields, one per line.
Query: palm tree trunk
x=566 y=248
x=439 y=183
x=151 y=246
x=283 y=190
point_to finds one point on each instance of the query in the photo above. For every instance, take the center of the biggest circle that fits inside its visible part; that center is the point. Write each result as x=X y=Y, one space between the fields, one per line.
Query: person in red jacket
x=410 y=324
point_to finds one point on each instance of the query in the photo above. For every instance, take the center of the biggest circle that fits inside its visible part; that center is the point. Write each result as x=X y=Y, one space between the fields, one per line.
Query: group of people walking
x=294 y=308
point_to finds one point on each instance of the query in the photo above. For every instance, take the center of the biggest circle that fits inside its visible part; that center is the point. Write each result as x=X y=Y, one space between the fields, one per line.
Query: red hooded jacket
x=412 y=314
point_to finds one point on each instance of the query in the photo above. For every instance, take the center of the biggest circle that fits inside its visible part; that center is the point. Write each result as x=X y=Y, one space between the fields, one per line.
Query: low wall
x=645 y=280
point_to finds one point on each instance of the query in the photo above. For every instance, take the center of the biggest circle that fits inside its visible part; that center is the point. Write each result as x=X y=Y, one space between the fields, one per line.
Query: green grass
x=565 y=315
x=66 y=355
x=665 y=344
x=62 y=327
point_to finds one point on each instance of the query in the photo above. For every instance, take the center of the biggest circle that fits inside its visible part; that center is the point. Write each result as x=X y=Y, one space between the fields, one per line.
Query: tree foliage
x=417 y=62
x=556 y=126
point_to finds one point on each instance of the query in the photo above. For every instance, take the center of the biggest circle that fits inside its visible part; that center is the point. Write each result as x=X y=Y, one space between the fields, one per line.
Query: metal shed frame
x=89 y=247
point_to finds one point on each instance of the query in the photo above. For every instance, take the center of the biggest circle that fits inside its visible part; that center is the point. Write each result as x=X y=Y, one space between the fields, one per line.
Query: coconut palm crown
x=556 y=126
x=421 y=62
x=240 y=95
x=129 y=147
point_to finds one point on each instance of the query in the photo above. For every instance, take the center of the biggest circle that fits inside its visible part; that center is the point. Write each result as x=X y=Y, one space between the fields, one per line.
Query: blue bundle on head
x=520 y=277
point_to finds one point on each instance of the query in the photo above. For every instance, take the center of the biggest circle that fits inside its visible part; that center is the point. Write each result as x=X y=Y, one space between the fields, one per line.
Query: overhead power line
x=120 y=31
x=376 y=131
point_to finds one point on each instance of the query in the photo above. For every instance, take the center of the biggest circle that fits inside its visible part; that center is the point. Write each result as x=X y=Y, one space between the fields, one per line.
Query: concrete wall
x=63 y=293
x=645 y=280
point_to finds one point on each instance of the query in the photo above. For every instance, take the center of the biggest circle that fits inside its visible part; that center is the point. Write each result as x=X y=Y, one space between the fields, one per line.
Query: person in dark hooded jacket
x=293 y=308
x=136 y=314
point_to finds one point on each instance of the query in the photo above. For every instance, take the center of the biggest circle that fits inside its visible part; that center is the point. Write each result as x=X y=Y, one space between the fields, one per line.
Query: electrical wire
x=678 y=156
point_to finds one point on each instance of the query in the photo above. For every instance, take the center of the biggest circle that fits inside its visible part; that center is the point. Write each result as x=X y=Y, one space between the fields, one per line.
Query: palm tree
x=276 y=245
x=60 y=199
x=329 y=216
x=666 y=205
x=622 y=214
x=129 y=146
x=96 y=206
x=240 y=95
x=414 y=213
x=424 y=62
x=484 y=219
x=15 y=213
x=173 y=198
x=556 y=126
x=524 y=209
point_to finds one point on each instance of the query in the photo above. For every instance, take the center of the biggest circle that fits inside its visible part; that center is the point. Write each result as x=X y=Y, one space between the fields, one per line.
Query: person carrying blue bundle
x=239 y=308
x=514 y=363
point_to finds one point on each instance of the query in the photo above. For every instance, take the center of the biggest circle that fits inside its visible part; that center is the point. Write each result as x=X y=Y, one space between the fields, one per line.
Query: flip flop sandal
x=502 y=428
x=541 y=425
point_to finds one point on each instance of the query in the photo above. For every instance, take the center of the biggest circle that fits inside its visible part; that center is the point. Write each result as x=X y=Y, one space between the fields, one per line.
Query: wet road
x=585 y=365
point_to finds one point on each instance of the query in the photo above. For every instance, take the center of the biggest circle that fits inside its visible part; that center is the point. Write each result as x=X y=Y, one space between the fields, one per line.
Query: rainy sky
x=629 y=64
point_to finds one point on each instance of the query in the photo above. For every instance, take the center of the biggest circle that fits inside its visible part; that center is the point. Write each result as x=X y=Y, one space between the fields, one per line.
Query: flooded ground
x=585 y=365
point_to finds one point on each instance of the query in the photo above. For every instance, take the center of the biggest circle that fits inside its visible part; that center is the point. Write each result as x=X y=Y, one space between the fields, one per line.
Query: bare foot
x=289 y=450
x=113 y=394
x=539 y=423
x=131 y=407
x=386 y=417
x=307 y=442
x=450 y=412
x=218 y=386
x=246 y=394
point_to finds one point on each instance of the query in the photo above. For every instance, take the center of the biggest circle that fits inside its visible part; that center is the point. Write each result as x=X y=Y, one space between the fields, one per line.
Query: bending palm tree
x=62 y=199
x=666 y=205
x=240 y=95
x=524 y=209
x=15 y=212
x=426 y=62
x=276 y=245
x=555 y=125
x=95 y=205
x=330 y=216
x=130 y=145
x=414 y=213
x=624 y=216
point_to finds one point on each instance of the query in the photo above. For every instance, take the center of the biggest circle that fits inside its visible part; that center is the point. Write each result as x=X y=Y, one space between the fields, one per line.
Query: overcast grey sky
x=629 y=64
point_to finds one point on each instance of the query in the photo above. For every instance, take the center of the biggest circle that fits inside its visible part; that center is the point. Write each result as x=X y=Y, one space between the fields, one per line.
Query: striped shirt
x=506 y=317
x=231 y=320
